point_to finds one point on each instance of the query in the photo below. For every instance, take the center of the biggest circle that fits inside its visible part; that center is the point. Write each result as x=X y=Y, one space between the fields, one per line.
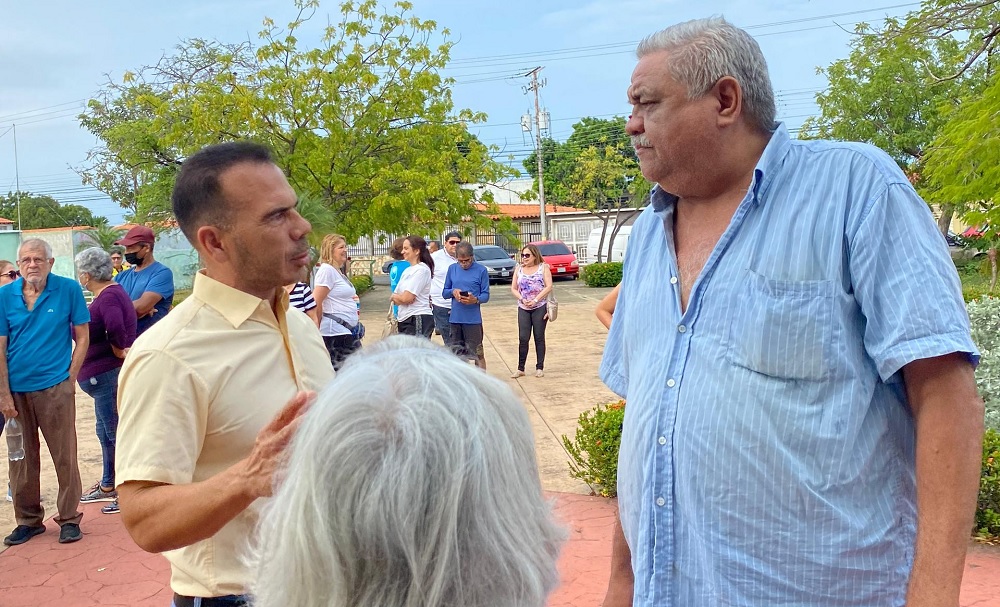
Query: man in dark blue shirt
x=468 y=284
x=149 y=283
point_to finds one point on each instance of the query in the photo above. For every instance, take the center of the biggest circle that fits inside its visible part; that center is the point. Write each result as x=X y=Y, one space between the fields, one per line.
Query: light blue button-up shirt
x=767 y=457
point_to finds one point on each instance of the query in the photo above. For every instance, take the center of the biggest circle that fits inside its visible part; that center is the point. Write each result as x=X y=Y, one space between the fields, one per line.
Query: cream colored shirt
x=195 y=390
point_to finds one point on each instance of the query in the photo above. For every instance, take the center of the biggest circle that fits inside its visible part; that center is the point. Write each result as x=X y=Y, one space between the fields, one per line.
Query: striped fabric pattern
x=301 y=297
x=767 y=456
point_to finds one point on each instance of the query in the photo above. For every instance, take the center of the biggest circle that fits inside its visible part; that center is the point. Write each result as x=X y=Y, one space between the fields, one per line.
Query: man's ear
x=211 y=243
x=729 y=95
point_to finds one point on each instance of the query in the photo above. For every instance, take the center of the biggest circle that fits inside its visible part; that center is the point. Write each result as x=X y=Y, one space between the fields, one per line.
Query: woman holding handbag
x=531 y=285
x=336 y=293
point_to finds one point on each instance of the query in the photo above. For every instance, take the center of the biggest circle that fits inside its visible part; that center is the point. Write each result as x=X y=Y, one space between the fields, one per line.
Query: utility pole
x=17 y=179
x=534 y=86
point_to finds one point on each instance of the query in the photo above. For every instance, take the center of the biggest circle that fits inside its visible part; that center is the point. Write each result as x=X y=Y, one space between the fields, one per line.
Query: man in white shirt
x=441 y=307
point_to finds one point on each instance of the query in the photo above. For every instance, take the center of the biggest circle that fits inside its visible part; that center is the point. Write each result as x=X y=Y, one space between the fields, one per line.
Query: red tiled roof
x=4 y=221
x=528 y=211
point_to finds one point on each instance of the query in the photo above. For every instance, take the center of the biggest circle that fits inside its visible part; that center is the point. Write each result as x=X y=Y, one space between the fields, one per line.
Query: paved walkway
x=107 y=569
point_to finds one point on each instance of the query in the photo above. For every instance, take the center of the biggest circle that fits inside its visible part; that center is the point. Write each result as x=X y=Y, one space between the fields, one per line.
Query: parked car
x=498 y=263
x=561 y=259
x=617 y=249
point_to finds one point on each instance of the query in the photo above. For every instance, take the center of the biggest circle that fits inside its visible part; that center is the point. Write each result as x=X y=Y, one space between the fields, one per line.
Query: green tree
x=595 y=169
x=363 y=122
x=103 y=236
x=40 y=211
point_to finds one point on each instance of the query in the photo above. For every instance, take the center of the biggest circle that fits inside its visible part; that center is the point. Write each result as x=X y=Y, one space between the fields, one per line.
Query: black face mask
x=133 y=259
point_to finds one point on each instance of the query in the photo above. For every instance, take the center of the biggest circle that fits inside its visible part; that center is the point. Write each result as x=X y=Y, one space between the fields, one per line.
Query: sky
x=55 y=55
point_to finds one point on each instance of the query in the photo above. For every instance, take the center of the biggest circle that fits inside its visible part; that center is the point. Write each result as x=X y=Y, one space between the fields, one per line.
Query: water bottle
x=357 y=304
x=15 y=440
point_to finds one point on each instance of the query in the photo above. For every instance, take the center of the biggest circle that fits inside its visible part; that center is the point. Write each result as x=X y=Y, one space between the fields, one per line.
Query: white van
x=617 y=250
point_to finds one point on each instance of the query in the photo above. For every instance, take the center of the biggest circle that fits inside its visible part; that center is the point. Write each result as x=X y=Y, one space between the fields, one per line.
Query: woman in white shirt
x=335 y=290
x=413 y=293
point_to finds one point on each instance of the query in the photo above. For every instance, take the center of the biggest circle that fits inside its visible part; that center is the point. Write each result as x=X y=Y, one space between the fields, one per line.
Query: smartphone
x=464 y=293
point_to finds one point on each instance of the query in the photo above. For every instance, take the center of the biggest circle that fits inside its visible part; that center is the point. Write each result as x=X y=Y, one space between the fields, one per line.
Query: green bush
x=594 y=449
x=984 y=318
x=972 y=292
x=362 y=283
x=602 y=274
x=988 y=506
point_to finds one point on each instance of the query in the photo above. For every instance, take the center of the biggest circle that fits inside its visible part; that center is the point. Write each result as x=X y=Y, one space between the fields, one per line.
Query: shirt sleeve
x=78 y=312
x=906 y=283
x=325 y=277
x=162 y=283
x=4 y=323
x=114 y=324
x=308 y=303
x=163 y=416
x=447 y=291
x=484 y=286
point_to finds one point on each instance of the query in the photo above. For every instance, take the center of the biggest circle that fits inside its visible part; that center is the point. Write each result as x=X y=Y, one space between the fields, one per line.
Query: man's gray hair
x=35 y=244
x=96 y=262
x=411 y=482
x=704 y=50
x=464 y=248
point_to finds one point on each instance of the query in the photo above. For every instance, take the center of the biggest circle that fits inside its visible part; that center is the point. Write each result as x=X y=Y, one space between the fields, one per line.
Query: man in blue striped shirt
x=803 y=427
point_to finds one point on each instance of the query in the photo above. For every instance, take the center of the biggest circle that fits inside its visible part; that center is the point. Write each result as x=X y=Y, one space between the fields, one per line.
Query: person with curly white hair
x=411 y=482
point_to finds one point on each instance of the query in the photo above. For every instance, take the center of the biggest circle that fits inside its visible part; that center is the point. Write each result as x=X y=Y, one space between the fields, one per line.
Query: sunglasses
x=454 y=242
x=525 y=254
x=12 y=274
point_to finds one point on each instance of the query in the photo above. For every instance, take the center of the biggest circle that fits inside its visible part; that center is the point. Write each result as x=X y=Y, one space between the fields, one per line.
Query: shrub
x=594 y=449
x=602 y=274
x=972 y=292
x=362 y=283
x=988 y=506
x=984 y=317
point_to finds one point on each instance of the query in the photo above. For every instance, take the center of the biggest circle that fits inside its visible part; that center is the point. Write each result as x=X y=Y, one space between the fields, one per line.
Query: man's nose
x=633 y=126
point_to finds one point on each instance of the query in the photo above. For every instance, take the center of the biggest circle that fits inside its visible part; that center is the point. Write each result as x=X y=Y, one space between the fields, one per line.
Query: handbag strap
x=339 y=321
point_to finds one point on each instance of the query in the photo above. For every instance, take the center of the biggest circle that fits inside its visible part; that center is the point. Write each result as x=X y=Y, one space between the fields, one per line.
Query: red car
x=561 y=259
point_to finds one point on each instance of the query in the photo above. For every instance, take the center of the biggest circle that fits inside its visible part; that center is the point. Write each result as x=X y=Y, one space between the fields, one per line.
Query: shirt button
x=681 y=328
x=663 y=440
x=673 y=280
x=660 y=501
x=671 y=383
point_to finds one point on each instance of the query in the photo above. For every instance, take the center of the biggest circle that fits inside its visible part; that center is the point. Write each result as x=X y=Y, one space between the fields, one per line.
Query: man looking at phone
x=467 y=283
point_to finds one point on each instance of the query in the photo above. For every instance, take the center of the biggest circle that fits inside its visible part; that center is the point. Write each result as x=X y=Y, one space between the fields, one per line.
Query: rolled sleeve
x=906 y=283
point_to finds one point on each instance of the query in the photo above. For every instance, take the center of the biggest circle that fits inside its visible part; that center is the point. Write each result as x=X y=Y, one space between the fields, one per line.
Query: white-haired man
x=803 y=426
x=41 y=316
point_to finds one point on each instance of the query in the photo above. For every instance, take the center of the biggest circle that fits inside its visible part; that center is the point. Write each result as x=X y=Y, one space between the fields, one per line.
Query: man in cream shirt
x=211 y=395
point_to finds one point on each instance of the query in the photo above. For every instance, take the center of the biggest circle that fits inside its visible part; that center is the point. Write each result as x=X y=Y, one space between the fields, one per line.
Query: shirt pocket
x=783 y=328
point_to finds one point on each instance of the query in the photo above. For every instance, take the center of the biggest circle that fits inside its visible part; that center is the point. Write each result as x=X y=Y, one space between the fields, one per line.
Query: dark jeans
x=340 y=347
x=442 y=322
x=467 y=341
x=103 y=389
x=418 y=324
x=531 y=322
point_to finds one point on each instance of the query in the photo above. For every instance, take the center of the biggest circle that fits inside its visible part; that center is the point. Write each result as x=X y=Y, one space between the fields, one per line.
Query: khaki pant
x=53 y=411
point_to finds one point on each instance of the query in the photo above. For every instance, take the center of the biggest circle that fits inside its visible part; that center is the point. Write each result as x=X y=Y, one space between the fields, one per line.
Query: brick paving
x=106 y=568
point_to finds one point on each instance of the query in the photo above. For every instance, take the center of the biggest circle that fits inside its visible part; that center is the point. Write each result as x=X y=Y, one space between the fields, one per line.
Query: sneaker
x=111 y=508
x=98 y=494
x=23 y=533
x=69 y=533
x=516 y=374
x=539 y=373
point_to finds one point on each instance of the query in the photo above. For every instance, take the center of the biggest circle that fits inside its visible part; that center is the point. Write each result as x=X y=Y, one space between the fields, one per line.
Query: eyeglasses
x=27 y=261
x=523 y=255
x=116 y=258
x=454 y=242
x=12 y=274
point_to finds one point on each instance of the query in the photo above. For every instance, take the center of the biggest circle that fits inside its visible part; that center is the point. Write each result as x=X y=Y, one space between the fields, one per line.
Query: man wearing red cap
x=149 y=283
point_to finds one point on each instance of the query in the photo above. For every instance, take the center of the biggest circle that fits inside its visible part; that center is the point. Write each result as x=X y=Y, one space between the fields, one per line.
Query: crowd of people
x=802 y=425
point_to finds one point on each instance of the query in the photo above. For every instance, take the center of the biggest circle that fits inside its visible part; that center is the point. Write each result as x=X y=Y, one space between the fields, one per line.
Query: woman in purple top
x=531 y=285
x=112 y=331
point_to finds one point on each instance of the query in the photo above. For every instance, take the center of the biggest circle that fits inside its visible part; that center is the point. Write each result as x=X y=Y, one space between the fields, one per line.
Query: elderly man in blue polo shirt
x=40 y=316
x=467 y=283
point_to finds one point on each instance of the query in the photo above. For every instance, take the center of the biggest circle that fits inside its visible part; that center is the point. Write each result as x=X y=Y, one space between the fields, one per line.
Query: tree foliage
x=363 y=122
x=595 y=169
x=40 y=211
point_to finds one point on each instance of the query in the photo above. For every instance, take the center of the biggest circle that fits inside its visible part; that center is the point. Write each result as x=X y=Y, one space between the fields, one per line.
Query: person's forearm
x=167 y=517
x=79 y=354
x=949 y=461
x=621 y=582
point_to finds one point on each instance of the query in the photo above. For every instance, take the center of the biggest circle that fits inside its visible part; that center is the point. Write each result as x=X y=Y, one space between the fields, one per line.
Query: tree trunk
x=992 y=254
x=944 y=221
